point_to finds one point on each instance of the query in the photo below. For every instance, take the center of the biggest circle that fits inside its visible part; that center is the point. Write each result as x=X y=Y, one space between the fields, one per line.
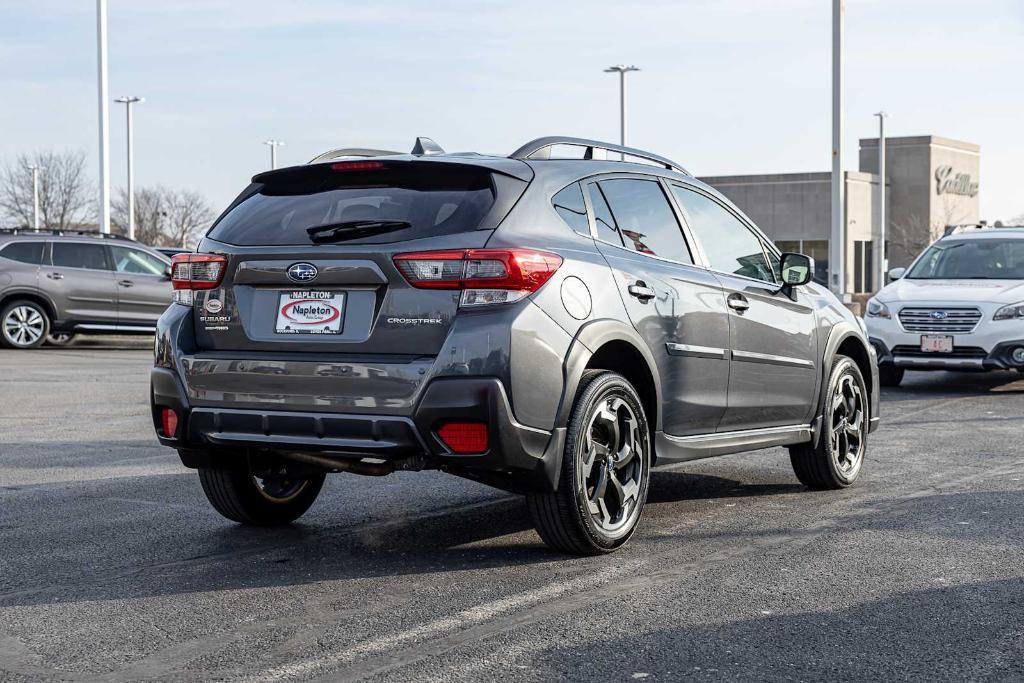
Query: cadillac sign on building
x=948 y=183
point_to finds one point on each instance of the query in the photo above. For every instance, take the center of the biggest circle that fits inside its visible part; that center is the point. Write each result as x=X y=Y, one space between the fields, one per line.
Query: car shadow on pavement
x=941 y=384
x=158 y=536
x=943 y=633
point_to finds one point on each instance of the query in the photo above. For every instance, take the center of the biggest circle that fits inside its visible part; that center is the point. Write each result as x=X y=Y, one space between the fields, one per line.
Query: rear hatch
x=309 y=255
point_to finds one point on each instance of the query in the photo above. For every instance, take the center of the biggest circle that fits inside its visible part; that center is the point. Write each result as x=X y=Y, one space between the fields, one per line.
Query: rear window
x=26 y=252
x=434 y=199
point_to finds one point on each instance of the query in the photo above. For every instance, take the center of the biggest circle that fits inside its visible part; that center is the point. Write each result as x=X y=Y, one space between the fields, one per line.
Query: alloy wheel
x=277 y=486
x=612 y=467
x=847 y=425
x=23 y=326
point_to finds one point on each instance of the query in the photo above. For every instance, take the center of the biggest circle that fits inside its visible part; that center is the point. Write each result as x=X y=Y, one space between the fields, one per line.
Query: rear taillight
x=485 y=276
x=190 y=272
x=168 y=422
x=464 y=437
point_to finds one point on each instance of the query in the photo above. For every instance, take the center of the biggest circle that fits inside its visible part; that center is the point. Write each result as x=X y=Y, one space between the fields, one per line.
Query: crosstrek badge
x=310 y=312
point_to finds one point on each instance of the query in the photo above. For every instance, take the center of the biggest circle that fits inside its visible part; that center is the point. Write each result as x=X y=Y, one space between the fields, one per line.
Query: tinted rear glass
x=26 y=252
x=435 y=199
x=77 y=255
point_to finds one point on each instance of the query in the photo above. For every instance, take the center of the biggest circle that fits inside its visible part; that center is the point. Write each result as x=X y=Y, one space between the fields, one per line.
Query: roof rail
x=352 y=152
x=594 y=149
x=76 y=233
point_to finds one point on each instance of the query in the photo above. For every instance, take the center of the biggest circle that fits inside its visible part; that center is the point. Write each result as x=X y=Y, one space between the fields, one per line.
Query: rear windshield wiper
x=349 y=230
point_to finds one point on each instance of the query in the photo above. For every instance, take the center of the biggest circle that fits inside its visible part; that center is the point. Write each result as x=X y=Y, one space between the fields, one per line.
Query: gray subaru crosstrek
x=56 y=284
x=548 y=325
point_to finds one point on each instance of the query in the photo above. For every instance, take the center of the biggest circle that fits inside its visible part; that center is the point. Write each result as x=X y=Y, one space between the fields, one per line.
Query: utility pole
x=35 y=196
x=273 y=144
x=837 y=237
x=622 y=70
x=880 y=255
x=104 y=114
x=128 y=101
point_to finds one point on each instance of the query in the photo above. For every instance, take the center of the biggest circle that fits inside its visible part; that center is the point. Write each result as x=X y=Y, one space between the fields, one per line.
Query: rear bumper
x=518 y=457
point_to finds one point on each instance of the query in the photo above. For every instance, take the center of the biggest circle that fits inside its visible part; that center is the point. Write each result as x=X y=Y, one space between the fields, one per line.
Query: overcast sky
x=729 y=86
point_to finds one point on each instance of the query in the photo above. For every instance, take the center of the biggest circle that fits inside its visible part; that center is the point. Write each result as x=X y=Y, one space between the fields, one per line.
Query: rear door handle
x=738 y=302
x=55 y=276
x=126 y=283
x=641 y=291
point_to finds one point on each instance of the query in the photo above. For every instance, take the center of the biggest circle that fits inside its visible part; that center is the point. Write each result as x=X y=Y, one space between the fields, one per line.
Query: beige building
x=931 y=182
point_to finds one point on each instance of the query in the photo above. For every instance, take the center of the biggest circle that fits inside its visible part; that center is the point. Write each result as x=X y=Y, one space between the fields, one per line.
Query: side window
x=606 y=228
x=731 y=247
x=135 y=261
x=645 y=218
x=78 y=255
x=26 y=252
x=570 y=206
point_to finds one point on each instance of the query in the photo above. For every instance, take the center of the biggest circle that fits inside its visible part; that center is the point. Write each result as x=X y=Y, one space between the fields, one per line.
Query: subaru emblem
x=302 y=272
x=939 y=315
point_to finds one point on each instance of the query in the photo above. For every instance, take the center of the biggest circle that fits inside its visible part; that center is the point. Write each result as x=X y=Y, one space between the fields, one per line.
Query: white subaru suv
x=959 y=306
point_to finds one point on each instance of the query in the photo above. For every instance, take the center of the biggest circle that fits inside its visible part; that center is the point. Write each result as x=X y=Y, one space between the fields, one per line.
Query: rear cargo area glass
x=433 y=199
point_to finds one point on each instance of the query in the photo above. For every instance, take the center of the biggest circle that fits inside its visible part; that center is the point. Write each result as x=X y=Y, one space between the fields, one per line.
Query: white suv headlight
x=1011 y=312
x=876 y=309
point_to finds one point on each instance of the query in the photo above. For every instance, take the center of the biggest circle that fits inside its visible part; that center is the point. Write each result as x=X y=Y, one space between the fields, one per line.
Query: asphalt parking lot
x=114 y=567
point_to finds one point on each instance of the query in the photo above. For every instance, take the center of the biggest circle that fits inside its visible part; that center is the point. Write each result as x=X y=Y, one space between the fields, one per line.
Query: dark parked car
x=55 y=285
x=550 y=326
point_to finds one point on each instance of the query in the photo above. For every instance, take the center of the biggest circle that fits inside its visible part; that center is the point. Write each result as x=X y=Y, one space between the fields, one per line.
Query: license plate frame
x=937 y=343
x=307 y=311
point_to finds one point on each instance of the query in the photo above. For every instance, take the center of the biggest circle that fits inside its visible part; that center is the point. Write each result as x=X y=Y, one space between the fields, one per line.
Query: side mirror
x=897 y=273
x=797 y=269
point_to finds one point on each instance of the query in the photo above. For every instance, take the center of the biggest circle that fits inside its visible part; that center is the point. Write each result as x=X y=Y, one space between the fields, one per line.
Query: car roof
x=987 y=234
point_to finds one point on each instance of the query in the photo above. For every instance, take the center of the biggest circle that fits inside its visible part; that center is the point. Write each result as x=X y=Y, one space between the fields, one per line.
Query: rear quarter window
x=24 y=252
x=569 y=205
x=434 y=199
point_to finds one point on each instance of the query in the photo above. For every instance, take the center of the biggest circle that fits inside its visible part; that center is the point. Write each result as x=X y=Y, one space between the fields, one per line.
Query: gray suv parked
x=58 y=284
x=545 y=325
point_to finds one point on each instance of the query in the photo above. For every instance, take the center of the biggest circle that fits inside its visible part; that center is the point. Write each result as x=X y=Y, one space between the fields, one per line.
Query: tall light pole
x=35 y=196
x=101 y=54
x=622 y=70
x=880 y=255
x=273 y=144
x=128 y=101
x=837 y=236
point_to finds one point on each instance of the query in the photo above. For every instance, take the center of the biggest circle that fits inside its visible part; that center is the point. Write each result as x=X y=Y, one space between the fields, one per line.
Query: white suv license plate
x=310 y=312
x=936 y=343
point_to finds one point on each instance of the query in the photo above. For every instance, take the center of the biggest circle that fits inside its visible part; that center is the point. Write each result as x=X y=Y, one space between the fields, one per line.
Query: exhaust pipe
x=369 y=469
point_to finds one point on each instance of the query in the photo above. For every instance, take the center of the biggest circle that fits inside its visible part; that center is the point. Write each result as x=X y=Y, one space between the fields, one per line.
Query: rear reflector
x=168 y=422
x=195 y=271
x=486 y=276
x=464 y=437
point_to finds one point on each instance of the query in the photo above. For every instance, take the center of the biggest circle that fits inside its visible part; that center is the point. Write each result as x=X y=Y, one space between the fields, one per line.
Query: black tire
x=820 y=464
x=19 y=312
x=890 y=375
x=235 y=493
x=60 y=339
x=565 y=519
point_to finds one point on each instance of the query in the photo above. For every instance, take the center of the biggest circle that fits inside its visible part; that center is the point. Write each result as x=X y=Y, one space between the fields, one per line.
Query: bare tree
x=65 y=197
x=163 y=216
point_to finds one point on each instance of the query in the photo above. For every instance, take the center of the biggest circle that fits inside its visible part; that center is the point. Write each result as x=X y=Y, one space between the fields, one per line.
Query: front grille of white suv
x=939 y=320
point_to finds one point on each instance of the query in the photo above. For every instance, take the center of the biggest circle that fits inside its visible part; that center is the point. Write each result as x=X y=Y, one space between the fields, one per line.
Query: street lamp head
x=130 y=99
x=882 y=114
x=621 y=68
x=274 y=143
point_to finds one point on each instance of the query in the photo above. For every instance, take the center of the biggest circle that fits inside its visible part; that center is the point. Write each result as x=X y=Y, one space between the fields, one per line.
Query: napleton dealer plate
x=310 y=312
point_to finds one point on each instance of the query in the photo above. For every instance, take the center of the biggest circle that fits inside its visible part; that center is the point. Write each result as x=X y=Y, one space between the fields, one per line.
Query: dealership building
x=931 y=182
